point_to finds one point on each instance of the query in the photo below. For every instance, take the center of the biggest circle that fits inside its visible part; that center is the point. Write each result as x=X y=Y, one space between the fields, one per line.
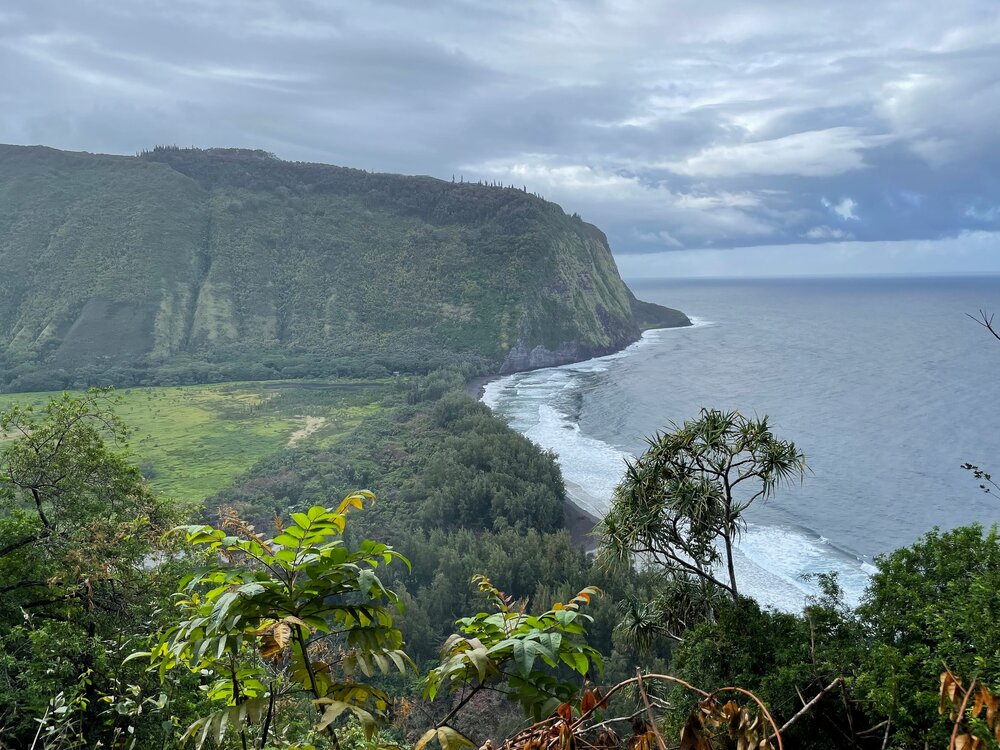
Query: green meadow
x=192 y=441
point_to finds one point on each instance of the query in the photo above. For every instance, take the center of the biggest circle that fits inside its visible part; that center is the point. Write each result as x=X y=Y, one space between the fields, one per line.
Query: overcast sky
x=826 y=137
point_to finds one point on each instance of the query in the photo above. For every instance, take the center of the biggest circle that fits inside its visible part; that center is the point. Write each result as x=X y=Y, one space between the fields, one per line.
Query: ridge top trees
x=684 y=498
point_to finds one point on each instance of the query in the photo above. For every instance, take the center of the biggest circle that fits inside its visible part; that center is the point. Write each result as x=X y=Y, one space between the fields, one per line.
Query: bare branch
x=809 y=706
x=986 y=321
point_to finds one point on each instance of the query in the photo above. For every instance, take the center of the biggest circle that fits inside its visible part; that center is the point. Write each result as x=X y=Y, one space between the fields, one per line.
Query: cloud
x=648 y=206
x=827 y=233
x=818 y=153
x=690 y=123
x=983 y=213
x=968 y=253
x=663 y=237
x=843 y=208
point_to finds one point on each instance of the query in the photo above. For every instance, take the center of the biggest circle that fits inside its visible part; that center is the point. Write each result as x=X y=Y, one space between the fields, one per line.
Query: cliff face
x=139 y=265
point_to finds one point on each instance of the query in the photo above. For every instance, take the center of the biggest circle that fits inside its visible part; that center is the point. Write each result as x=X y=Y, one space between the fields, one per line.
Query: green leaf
x=576 y=661
x=480 y=660
x=524 y=653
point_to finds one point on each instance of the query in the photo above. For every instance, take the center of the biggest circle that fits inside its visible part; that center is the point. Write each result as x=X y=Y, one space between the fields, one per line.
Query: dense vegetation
x=459 y=493
x=184 y=266
x=78 y=515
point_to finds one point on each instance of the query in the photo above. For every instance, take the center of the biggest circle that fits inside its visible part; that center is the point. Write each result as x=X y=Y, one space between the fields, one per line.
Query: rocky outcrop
x=521 y=357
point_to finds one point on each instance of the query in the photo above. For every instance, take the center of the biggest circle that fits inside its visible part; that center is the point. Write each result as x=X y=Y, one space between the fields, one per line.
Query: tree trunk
x=732 y=568
x=303 y=644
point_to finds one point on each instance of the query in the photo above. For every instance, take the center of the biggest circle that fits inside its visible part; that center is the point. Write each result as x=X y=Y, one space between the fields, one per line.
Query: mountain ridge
x=186 y=265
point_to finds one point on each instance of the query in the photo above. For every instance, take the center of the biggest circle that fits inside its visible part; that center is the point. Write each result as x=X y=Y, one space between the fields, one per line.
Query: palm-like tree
x=680 y=505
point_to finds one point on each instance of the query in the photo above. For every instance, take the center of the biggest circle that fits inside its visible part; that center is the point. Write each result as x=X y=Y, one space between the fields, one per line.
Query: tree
x=931 y=605
x=685 y=496
x=269 y=621
x=77 y=526
x=986 y=482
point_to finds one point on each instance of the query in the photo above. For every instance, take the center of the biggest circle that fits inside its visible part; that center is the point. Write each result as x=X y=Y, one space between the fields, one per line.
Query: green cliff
x=182 y=264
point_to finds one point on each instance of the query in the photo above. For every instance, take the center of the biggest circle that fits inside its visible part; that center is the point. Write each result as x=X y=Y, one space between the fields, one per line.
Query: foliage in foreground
x=236 y=660
x=522 y=656
x=268 y=621
x=78 y=525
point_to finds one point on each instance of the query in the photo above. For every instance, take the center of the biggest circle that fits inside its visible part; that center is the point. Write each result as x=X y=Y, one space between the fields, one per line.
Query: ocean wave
x=773 y=562
x=777 y=565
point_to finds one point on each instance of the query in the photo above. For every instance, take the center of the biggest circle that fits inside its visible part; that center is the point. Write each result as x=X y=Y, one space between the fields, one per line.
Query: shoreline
x=476 y=387
x=580 y=523
x=576 y=520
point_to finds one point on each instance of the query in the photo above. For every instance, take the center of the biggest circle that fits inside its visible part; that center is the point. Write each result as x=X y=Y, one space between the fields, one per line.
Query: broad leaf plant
x=267 y=620
x=539 y=661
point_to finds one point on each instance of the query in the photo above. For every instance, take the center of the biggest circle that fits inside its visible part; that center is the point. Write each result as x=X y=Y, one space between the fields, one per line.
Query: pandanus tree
x=681 y=504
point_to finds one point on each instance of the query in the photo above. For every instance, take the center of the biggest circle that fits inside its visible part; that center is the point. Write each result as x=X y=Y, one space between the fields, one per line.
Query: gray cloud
x=693 y=123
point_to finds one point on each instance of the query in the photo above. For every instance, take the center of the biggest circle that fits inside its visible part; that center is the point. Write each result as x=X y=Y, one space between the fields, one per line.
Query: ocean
x=884 y=383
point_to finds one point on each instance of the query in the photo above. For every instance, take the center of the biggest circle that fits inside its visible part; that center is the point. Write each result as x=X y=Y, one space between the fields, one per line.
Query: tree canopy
x=78 y=525
x=685 y=496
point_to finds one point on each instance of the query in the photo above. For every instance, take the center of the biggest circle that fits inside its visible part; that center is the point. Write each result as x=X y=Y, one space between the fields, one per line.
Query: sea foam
x=775 y=564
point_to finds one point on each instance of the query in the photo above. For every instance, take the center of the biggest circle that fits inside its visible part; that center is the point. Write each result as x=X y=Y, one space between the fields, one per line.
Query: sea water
x=884 y=383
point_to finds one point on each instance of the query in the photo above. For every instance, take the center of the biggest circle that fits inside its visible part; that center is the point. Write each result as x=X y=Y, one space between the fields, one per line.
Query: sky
x=704 y=137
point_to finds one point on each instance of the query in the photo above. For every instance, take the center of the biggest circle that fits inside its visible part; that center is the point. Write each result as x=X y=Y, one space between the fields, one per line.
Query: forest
x=413 y=584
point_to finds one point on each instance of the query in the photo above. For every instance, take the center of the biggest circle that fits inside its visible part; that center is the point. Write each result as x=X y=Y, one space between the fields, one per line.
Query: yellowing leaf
x=274 y=638
x=425 y=738
x=450 y=739
x=330 y=714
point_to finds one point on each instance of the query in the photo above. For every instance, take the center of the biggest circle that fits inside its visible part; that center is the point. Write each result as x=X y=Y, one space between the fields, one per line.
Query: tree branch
x=684 y=565
x=22 y=585
x=986 y=321
x=809 y=706
x=14 y=546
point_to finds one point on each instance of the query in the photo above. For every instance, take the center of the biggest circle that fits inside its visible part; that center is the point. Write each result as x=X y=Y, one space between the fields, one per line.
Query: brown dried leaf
x=607 y=740
x=602 y=702
x=274 y=638
x=991 y=704
x=950 y=688
x=642 y=741
x=693 y=735
x=967 y=742
x=735 y=718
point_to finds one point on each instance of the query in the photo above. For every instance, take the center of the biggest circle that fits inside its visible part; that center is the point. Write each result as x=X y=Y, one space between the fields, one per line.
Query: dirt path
x=312 y=424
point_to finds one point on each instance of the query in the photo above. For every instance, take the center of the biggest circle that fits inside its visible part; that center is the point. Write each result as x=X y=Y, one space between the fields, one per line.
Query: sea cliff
x=187 y=265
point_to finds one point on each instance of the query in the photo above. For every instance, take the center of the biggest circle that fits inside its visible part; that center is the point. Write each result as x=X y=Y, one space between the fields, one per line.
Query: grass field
x=192 y=441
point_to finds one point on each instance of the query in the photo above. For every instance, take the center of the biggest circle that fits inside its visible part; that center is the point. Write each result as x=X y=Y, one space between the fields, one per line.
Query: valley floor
x=193 y=441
